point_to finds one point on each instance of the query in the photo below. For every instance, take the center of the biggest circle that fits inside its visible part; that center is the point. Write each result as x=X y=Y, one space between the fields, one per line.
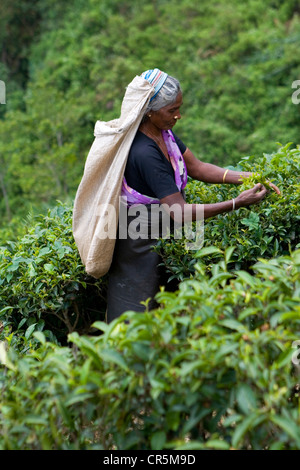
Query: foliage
x=268 y=229
x=211 y=368
x=43 y=283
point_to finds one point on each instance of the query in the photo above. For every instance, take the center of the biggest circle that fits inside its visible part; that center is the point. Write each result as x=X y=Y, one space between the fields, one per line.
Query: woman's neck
x=150 y=129
x=155 y=134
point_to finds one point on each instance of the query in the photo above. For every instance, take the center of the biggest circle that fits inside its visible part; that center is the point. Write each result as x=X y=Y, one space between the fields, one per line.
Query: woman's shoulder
x=143 y=146
x=142 y=140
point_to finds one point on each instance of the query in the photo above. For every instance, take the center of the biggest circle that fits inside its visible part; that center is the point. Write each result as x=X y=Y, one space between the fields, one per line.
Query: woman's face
x=164 y=118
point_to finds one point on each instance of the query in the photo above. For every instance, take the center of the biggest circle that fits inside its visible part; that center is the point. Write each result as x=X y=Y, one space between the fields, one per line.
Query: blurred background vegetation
x=66 y=65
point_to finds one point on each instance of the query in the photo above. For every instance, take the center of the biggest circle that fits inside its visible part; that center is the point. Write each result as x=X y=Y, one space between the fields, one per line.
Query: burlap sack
x=100 y=187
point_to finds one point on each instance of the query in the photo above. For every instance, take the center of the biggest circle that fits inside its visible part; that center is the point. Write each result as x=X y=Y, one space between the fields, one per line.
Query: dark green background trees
x=66 y=65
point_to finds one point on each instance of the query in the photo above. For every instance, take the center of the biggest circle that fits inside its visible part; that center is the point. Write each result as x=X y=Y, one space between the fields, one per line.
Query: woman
x=156 y=173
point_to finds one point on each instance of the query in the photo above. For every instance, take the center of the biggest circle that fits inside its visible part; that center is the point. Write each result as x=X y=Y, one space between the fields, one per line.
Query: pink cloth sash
x=179 y=167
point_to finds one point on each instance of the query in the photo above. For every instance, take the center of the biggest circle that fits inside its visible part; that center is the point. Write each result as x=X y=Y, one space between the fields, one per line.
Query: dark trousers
x=136 y=275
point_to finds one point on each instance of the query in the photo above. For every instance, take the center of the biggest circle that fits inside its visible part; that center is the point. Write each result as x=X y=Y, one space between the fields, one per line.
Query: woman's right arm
x=180 y=211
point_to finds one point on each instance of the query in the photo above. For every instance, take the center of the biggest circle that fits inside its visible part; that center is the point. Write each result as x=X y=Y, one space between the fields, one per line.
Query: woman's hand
x=271 y=185
x=251 y=196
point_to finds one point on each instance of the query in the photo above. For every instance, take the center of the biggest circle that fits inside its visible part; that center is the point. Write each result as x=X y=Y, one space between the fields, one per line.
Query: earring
x=149 y=115
x=175 y=117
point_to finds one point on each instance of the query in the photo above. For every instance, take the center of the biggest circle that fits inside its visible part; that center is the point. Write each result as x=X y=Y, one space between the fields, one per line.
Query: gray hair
x=166 y=95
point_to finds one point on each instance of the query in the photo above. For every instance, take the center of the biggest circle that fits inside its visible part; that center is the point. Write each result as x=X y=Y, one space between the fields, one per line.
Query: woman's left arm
x=209 y=173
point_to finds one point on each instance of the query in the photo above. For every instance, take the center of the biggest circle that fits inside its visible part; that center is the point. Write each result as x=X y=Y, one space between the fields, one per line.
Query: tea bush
x=43 y=283
x=268 y=229
x=215 y=367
